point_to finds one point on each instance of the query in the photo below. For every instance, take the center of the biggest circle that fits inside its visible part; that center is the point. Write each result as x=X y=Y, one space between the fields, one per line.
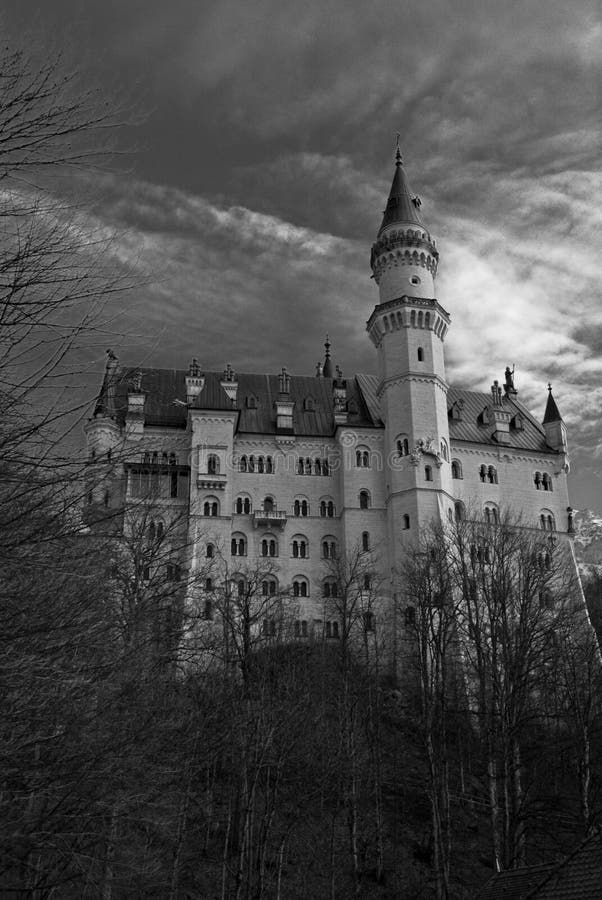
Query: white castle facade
x=297 y=469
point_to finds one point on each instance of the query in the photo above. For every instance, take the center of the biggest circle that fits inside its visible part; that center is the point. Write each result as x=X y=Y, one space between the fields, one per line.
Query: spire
x=551 y=414
x=403 y=206
x=327 y=367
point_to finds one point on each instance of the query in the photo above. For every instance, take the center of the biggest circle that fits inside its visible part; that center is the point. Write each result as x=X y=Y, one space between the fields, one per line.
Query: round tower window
x=414 y=279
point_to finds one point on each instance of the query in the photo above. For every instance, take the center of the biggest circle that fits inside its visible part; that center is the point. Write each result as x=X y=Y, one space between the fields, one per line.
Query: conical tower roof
x=403 y=206
x=551 y=414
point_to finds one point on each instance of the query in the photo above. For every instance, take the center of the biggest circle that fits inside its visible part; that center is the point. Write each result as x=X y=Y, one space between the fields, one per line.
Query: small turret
x=284 y=406
x=404 y=257
x=195 y=382
x=554 y=427
x=327 y=367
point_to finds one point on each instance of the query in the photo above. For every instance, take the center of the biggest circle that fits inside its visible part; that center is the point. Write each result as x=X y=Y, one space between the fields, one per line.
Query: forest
x=164 y=736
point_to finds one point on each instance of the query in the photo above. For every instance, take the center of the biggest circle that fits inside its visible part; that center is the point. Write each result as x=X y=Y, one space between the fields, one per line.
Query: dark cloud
x=265 y=163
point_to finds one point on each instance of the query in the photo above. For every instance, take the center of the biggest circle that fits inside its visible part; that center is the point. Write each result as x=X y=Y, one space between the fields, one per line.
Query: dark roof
x=165 y=404
x=551 y=414
x=578 y=877
x=531 y=437
x=165 y=400
x=401 y=207
x=514 y=884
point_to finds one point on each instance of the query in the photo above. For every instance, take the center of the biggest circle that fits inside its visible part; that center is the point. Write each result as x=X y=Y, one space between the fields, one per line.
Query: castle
x=299 y=469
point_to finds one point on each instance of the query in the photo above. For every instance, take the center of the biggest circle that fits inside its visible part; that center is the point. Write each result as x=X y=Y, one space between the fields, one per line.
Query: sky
x=257 y=156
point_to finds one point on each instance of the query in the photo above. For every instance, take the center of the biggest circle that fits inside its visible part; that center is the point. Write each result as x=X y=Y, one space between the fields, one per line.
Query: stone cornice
x=408 y=301
x=503 y=452
x=415 y=377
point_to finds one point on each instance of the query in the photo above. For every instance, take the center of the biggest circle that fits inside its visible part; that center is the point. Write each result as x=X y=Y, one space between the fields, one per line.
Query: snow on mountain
x=588 y=538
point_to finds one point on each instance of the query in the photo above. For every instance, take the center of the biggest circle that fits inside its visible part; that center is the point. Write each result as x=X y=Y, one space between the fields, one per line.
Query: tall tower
x=407 y=328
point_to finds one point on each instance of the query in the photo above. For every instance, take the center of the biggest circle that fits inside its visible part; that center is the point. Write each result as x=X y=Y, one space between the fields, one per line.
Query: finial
x=327 y=367
x=549 y=387
x=398 y=159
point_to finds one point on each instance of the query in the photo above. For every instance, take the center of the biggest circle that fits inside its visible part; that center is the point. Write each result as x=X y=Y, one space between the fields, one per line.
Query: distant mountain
x=588 y=538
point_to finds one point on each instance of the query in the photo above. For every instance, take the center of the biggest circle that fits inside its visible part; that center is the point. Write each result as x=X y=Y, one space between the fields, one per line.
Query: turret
x=554 y=426
x=408 y=327
x=404 y=257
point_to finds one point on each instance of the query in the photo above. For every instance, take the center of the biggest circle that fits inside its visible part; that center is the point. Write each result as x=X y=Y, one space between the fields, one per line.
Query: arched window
x=301 y=507
x=329 y=588
x=547 y=520
x=300 y=587
x=492 y=475
x=456 y=468
x=172 y=572
x=208 y=608
x=368 y=618
x=308 y=466
x=444 y=450
x=327 y=508
x=243 y=505
x=242 y=464
x=152 y=531
x=329 y=548
x=212 y=464
x=209 y=551
x=428 y=473
x=325 y=467
x=308 y=404
x=317 y=467
x=269 y=546
x=420 y=354
x=211 y=507
x=301 y=467
x=269 y=587
x=260 y=465
x=172 y=459
x=238 y=545
x=403 y=446
x=366 y=581
x=300 y=547
x=269 y=465
x=492 y=516
x=546 y=480
x=208 y=584
x=459 y=511
x=365 y=540
x=164 y=459
x=537 y=480
x=251 y=463
x=251 y=402
x=364 y=500
x=406 y=521
x=240 y=585
x=362 y=459
x=483 y=473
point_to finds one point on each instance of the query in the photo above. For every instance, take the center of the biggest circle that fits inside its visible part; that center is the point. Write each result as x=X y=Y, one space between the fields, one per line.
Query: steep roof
x=551 y=414
x=165 y=405
x=402 y=205
x=165 y=400
x=514 y=884
x=468 y=428
x=578 y=877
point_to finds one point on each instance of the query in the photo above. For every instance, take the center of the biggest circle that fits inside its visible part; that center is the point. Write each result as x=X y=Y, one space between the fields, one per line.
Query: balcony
x=269 y=518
